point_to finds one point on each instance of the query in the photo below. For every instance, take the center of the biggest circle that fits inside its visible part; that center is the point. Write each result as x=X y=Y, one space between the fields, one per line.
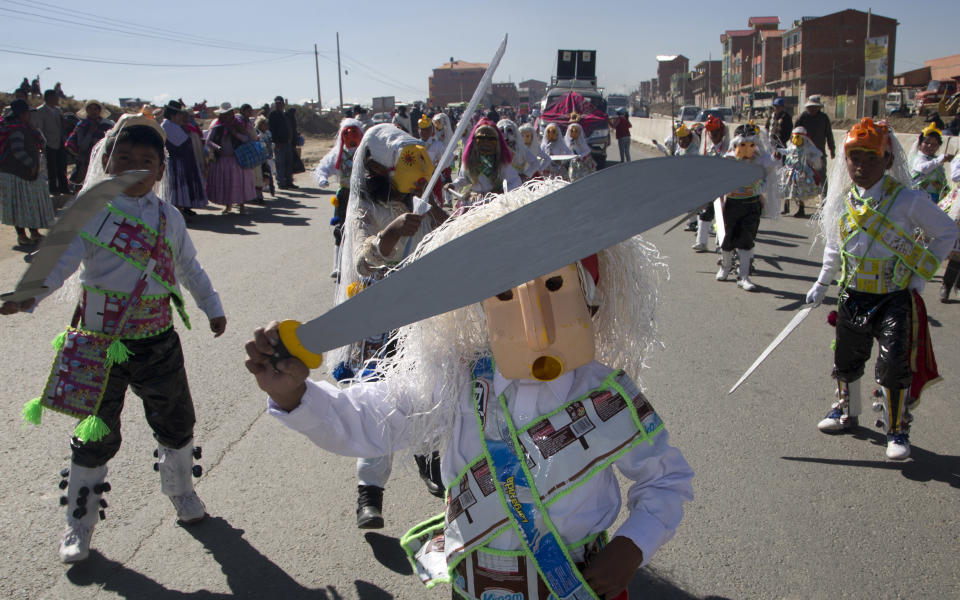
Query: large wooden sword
x=68 y=224
x=558 y=229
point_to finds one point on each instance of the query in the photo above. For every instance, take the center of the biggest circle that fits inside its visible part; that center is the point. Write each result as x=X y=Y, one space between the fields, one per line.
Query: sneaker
x=944 y=294
x=190 y=508
x=837 y=422
x=746 y=285
x=898 y=446
x=699 y=247
x=75 y=545
x=369 y=507
x=723 y=273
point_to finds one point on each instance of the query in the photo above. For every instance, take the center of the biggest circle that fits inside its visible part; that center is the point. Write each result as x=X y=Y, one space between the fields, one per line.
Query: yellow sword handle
x=290 y=346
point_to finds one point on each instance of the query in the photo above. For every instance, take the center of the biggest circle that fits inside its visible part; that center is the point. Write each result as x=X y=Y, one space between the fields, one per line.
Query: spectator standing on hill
x=49 y=120
x=282 y=144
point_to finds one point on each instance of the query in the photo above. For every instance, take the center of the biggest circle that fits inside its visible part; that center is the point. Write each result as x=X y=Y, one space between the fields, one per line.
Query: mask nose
x=534 y=324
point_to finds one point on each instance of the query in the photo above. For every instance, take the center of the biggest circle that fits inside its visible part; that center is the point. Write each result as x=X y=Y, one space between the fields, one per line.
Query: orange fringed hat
x=869 y=136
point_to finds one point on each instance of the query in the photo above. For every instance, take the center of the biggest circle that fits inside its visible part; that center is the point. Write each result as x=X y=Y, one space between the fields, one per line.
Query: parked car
x=704 y=114
x=724 y=112
x=688 y=113
x=380 y=117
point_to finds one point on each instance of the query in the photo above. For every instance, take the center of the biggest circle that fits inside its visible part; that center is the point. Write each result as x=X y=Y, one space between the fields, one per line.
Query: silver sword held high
x=793 y=324
x=537 y=238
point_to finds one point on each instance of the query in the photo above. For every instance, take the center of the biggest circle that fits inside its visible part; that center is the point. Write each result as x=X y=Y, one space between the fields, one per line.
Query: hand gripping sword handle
x=289 y=346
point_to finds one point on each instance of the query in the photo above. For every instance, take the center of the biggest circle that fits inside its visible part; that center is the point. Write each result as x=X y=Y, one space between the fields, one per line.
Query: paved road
x=781 y=511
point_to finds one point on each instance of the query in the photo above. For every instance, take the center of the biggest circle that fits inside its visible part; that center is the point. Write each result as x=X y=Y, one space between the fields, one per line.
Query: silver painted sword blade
x=64 y=230
x=793 y=324
x=558 y=229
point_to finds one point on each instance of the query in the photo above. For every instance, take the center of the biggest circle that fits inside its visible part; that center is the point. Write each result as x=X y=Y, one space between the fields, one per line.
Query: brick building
x=947 y=67
x=504 y=94
x=768 y=63
x=705 y=83
x=454 y=81
x=667 y=67
x=644 y=91
x=740 y=46
x=825 y=55
x=532 y=90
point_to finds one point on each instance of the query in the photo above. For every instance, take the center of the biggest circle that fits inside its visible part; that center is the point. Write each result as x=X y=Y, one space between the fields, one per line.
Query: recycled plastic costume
x=118 y=248
x=869 y=239
x=683 y=142
x=339 y=160
x=584 y=164
x=532 y=141
x=552 y=145
x=716 y=142
x=547 y=389
x=800 y=175
x=486 y=162
x=524 y=162
x=390 y=165
x=951 y=206
x=926 y=168
x=428 y=136
x=443 y=132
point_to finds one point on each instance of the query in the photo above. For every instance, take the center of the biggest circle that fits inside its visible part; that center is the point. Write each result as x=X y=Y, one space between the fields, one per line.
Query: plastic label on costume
x=882 y=274
x=561 y=450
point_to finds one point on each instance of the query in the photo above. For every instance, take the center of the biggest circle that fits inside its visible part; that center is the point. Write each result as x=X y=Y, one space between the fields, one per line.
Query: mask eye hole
x=554 y=283
x=505 y=296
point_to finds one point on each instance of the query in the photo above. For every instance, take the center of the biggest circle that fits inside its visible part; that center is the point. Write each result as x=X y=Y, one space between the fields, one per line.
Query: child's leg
x=161 y=382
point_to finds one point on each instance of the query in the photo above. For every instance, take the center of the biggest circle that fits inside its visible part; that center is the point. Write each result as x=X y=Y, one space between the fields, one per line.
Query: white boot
x=726 y=262
x=176 y=466
x=83 y=502
x=844 y=414
x=703 y=235
x=743 y=271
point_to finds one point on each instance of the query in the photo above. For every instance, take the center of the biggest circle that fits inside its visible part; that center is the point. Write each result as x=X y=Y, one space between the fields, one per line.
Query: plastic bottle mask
x=413 y=169
x=486 y=139
x=351 y=137
x=527 y=137
x=552 y=134
x=746 y=150
x=575 y=133
x=797 y=140
x=541 y=329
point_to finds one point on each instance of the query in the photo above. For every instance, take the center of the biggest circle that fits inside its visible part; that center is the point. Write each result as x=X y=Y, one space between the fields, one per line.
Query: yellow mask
x=413 y=169
x=542 y=328
x=745 y=150
x=797 y=140
x=552 y=134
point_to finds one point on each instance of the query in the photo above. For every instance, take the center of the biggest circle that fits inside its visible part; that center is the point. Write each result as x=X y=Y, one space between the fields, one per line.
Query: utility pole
x=339 y=71
x=316 y=65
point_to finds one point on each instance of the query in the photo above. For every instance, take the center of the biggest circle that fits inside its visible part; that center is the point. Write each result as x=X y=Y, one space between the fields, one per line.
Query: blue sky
x=386 y=48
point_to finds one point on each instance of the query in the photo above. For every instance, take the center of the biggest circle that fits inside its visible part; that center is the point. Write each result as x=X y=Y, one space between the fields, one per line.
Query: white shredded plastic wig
x=432 y=362
x=327 y=164
x=831 y=210
x=442 y=128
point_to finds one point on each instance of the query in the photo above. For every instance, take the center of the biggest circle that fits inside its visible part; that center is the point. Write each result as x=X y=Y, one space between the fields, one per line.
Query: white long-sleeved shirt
x=926 y=164
x=955 y=168
x=105 y=270
x=355 y=421
x=911 y=209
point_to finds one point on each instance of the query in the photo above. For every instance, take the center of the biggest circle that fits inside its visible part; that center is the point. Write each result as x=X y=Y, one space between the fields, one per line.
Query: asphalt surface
x=781 y=510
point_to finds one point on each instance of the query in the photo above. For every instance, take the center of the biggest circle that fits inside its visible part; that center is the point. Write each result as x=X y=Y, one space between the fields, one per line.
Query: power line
x=110 y=61
x=129 y=28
